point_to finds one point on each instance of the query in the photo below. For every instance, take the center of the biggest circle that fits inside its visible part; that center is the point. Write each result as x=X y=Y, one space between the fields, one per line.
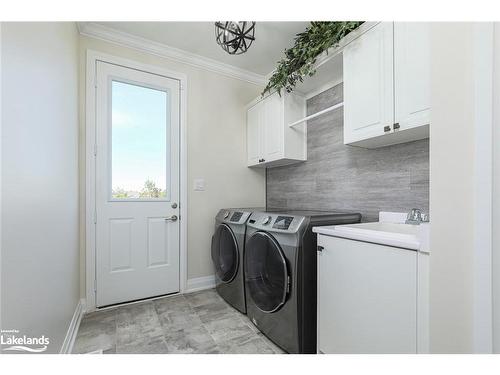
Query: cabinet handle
x=387 y=129
x=320 y=248
x=396 y=126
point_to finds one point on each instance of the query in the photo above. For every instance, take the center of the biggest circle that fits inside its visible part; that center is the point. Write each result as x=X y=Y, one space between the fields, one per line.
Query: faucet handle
x=414 y=216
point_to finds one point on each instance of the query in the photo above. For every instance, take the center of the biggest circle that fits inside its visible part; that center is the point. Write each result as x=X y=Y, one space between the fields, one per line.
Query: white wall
x=496 y=192
x=451 y=189
x=40 y=255
x=216 y=136
x=460 y=189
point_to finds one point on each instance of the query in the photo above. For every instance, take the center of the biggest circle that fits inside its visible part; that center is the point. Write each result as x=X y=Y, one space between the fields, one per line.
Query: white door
x=137 y=184
x=273 y=127
x=412 y=79
x=368 y=84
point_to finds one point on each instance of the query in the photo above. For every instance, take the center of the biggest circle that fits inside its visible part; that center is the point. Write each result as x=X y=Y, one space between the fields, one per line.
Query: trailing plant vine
x=299 y=60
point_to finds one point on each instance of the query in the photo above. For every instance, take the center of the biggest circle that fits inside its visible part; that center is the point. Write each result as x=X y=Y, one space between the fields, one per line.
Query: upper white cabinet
x=411 y=74
x=270 y=140
x=254 y=145
x=387 y=85
x=368 y=84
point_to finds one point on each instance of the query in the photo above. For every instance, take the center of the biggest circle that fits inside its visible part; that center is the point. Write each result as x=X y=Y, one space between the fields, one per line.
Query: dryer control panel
x=283 y=222
x=272 y=222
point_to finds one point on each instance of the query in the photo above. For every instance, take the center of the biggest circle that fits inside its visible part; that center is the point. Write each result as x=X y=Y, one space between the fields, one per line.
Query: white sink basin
x=402 y=235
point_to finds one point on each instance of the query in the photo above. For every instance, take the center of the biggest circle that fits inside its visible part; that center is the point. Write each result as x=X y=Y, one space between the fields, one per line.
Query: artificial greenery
x=299 y=60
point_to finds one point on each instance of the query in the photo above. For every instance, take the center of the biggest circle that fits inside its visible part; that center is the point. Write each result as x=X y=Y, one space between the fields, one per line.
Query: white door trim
x=90 y=134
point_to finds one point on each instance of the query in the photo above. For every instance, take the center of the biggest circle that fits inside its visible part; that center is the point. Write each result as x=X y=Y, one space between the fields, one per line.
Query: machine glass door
x=266 y=272
x=225 y=254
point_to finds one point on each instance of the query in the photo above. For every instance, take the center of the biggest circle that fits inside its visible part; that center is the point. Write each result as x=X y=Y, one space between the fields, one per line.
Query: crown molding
x=111 y=35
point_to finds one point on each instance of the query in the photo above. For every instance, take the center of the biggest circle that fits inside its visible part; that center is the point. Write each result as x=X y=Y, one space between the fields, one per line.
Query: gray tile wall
x=336 y=176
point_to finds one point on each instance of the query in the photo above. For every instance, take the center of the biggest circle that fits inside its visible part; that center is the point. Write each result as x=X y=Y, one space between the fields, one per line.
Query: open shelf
x=322 y=112
x=329 y=67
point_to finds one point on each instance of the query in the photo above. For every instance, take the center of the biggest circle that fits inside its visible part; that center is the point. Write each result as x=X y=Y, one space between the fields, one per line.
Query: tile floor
x=200 y=322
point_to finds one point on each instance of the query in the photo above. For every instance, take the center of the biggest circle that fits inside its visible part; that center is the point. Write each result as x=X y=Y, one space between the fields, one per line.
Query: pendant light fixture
x=235 y=37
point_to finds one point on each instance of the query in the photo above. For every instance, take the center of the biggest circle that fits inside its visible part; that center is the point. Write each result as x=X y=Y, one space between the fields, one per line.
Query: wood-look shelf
x=322 y=112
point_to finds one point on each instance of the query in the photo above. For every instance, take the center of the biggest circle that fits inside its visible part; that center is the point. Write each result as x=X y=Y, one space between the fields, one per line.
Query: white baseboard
x=69 y=340
x=200 y=283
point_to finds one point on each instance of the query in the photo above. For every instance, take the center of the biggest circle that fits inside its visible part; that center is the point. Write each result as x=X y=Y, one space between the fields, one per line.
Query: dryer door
x=225 y=253
x=266 y=272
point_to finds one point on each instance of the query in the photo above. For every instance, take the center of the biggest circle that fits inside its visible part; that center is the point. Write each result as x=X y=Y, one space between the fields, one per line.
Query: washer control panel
x=236 y=216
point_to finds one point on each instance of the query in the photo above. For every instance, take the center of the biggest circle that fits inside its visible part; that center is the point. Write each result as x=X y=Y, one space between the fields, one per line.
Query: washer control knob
x=267 y=220
x=226 y=214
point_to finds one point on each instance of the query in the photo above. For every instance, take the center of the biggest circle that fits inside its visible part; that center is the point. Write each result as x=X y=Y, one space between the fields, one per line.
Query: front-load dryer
x=280 y=274
x=228 y=245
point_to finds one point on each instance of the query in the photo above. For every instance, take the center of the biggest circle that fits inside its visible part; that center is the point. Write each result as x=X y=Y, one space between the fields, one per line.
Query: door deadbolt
x=174 y=205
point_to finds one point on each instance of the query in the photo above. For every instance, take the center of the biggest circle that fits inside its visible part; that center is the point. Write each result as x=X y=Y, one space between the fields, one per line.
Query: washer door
x=225 y=253
x=266 y=272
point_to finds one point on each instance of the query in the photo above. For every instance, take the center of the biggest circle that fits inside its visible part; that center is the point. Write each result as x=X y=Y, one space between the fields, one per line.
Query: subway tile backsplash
x=340 y=177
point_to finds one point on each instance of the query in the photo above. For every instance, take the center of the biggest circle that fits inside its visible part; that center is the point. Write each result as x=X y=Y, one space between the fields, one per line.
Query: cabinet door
x=412 y=74
x=368 y=84
x=254 y=124
x=273 y=128
x=367 y=297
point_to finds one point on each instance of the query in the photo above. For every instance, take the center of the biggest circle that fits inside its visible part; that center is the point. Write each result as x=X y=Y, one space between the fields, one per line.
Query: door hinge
x=95 y=286
x=95 y=150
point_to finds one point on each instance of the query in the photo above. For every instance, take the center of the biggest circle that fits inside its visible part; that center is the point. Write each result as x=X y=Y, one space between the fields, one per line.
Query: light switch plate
x=199 y=184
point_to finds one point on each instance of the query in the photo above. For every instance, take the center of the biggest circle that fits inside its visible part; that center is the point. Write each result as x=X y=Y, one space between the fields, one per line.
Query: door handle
x=171 y=218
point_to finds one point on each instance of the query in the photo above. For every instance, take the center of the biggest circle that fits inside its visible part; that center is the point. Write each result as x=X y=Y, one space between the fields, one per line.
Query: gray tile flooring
x=200 y=322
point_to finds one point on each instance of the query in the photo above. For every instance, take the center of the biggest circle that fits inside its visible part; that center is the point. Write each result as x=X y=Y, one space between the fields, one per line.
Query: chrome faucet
x=415 y=217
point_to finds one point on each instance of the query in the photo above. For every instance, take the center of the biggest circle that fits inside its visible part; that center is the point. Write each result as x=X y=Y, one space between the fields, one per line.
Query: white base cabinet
x=367 y=297
x=387 y=85
x=270 y=140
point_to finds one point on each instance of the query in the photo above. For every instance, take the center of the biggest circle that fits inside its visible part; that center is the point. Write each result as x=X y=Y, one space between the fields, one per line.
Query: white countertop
x=390 y=230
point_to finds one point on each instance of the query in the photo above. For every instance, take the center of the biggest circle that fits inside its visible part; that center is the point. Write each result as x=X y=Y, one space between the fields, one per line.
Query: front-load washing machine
x=228 y=243
x=280 y=274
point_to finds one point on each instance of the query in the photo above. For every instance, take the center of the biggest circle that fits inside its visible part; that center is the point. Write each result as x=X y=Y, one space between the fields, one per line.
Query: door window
x=140 y=142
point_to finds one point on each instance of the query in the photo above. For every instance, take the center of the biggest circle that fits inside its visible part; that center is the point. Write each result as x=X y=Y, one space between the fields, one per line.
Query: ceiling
x=271 y=38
